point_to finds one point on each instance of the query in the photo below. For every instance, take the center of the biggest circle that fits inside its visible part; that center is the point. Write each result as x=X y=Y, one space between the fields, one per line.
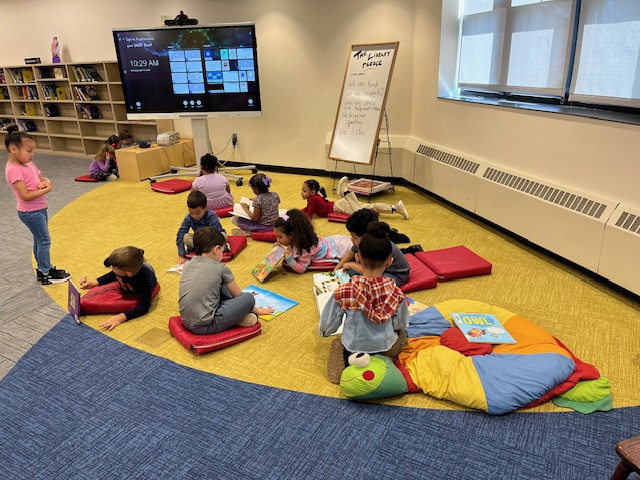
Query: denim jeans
x=37 y=222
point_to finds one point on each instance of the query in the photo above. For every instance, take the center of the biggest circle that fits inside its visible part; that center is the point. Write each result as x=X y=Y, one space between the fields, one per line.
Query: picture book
x=73 y=302
x=482 y=328
x=177 y=268
x=266 y=266
x=324 y=284
x=366 y=186
x=238 y=211
x=266 y=298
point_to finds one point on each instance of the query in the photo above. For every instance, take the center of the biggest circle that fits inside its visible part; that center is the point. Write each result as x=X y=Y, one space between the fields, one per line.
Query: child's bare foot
x=262 y=310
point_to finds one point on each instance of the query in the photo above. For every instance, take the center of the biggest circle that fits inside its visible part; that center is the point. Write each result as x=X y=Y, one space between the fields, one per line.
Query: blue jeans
x=37 y=222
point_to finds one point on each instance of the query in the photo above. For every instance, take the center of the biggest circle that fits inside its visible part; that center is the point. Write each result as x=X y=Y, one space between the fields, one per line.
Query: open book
x=267 y=298
x=266 y=266
x=238 y=211
x=324 y=284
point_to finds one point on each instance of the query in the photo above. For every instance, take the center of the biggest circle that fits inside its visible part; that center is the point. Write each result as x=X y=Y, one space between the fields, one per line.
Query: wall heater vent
x=548 y=193
x=629 y=221
x=448 y=159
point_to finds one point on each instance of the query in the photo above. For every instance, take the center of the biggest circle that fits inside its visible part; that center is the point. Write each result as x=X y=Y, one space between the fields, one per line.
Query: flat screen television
x=189 y=71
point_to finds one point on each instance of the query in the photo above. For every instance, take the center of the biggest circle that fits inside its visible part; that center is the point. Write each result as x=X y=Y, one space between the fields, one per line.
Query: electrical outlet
x=234 y=139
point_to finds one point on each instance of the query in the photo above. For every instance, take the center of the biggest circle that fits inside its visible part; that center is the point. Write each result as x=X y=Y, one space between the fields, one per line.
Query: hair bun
x=378 y=229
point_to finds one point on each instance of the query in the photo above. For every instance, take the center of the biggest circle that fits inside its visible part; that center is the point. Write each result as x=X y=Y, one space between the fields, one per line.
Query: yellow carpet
x=594 y=322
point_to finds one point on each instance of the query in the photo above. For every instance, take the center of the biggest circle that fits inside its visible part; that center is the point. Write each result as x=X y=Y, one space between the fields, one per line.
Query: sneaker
x=238 y=232
x=397 y=237
x=112 y=177
x=249 y=320
x=401 y=209
x=413 y=249
x=49 y=280
x=335 y=362
x=54 y=274
x=343 y=186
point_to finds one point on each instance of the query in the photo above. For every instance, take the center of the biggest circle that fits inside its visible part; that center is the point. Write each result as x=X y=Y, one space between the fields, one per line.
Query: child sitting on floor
x=213 y=184
x=357 y=225
x=374 y=308
x=303 y=246
x=134 y=276
x=104 y=166
x=265 y=208
x=318 y=204
x=199 y=216
x=210 y=300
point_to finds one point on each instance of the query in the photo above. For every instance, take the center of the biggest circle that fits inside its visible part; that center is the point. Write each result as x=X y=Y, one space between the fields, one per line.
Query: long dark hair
x=299 y=228
x=314 y=186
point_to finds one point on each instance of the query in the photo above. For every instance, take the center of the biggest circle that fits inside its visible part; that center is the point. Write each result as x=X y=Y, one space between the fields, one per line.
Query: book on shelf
x=29 y=109
x=238 y=211
x=58 y=73
x=267 y=298
x=60 y=93
x=266 y=265
x=27 y=125
x=16 y=75
x=367 y=186
x=482 y=328
x=27 y=75
x=51 y=110
x=88 y=112
x=3 y=79
x=4 y=93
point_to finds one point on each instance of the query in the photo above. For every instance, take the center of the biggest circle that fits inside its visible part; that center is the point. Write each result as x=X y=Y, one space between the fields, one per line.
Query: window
x=551 y=51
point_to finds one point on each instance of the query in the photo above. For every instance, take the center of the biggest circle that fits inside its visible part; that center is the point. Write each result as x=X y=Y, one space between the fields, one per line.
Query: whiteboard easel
x=362 y=102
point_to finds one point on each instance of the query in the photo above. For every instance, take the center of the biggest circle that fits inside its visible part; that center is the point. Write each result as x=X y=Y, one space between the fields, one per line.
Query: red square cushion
x=318 y=266
x=236 y=244
x=338 y=217
x=208 y=343
x=269 y=236
x=109 y=298
x=172 y=186
x=86 y=178
x=454 y=262
x=224 y=212
x=420 y=276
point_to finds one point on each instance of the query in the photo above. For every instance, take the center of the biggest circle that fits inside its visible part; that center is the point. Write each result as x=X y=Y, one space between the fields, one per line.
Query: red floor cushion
x=454 y=262
x=318 y=266
x=338 y=217
x=109 y=299
x=268 y=236
x=86 y=178
x=200 y=344
x=236 y=244
x=175 y=185
x=224 y=212
x=420 y=277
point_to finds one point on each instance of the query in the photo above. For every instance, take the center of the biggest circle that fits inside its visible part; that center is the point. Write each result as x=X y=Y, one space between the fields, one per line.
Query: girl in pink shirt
x=302 y=246
x=214 y=185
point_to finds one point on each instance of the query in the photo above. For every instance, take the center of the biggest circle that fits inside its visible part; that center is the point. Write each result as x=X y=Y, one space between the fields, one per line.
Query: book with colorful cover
x=73 y=301
x=324 y=284
x=482 y=328
x=267 y=298
x=367 y=186
x=266 y=266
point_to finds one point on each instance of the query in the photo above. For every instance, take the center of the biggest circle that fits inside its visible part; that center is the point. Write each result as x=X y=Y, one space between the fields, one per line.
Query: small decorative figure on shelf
x=55 y=50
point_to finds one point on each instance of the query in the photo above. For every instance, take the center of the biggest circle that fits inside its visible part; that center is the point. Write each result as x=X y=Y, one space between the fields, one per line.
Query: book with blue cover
x=482 y=328
x=267 y=298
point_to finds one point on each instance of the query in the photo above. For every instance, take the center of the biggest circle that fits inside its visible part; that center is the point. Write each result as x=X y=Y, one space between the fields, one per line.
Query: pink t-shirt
x=30 y=175
x=214 y=186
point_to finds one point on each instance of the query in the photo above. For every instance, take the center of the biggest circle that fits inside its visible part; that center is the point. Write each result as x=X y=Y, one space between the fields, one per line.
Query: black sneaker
x=57 y=273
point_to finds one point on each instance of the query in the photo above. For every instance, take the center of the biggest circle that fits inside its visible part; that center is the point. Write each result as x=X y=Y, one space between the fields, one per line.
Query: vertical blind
x=527 y=47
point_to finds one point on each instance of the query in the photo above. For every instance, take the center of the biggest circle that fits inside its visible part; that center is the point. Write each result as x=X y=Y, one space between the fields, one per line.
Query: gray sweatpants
x=229 y=312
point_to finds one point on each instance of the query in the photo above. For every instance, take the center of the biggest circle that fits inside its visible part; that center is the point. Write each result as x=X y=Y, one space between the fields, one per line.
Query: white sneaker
x=402 y=210
x=343 y=186
x=249 y=320
x=112 y=177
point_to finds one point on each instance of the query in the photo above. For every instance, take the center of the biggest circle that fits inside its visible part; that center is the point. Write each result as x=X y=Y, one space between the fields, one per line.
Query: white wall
x=303 y=46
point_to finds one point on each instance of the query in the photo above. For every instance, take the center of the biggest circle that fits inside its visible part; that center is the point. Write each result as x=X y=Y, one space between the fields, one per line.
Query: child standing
x=104 y=166
x=199 y=216
x=303 y=246
x=357 y=225
x=375 y=310
x=210 y=300
x=265 y=208
x=30 y=188
x=134 y=276
x=318 y=204
x=214 y=185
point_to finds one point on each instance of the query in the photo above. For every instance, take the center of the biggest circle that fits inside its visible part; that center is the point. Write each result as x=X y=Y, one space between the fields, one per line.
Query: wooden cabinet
x=135 y=163
x=69 y=108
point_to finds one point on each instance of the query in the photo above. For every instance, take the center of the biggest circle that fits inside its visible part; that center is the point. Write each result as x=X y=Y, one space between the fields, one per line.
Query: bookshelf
x=69 y=108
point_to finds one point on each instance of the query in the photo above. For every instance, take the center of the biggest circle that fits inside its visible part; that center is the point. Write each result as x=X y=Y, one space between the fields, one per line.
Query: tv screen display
x=189 y=71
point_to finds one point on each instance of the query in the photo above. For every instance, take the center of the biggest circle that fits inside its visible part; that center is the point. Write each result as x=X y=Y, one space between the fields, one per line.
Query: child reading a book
x=302 y=246
x=134 y=276
x=374 y=308
x=319 y=204
x=265 y=208
x=199 y=216
x=30 y=189
x=357 y=225
x=210 y=300
x=104 y=166
x=213 y=184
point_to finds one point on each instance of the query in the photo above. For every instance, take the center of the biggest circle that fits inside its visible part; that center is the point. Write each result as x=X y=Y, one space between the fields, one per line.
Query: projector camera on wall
x=181 y=19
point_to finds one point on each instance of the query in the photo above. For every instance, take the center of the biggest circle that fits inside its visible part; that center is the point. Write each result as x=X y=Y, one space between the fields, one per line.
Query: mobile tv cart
x=202 y=145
